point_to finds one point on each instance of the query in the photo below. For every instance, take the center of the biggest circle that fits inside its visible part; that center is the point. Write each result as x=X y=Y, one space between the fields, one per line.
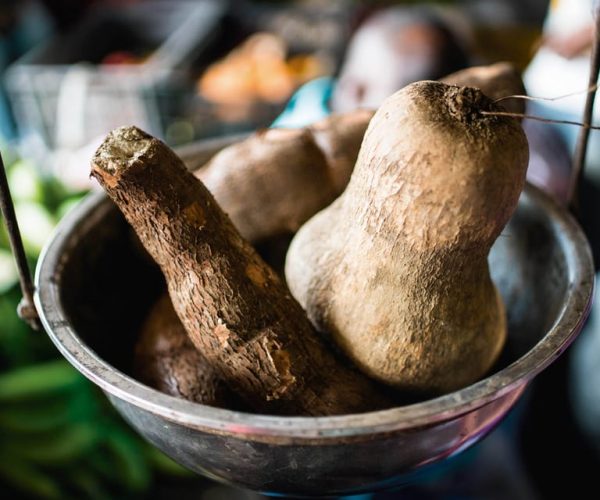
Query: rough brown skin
x=495 y=81
x=276 y=179
x=395 y=270
x=237 y=312
x=339 y=136
x=166 y=359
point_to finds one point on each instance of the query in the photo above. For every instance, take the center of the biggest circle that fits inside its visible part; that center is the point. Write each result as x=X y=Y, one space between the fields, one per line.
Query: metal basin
x=94 y=287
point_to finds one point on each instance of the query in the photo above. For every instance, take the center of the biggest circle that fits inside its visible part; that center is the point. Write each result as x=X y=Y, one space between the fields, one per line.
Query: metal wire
x=584 y=134
x=26 y=308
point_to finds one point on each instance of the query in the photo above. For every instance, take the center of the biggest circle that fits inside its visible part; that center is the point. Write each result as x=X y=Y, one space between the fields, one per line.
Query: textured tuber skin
x=286 y=176
x=236 y=311
x=276 y=179
x=166 y=359
x=395 y=270
x=339 y=136
x=495 y=81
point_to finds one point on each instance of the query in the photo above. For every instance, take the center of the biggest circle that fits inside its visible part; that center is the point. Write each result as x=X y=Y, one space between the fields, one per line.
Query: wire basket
x=65 y=93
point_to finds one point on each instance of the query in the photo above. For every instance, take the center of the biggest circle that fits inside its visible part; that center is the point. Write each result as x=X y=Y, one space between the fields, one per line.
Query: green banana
x=3 y=236
x=25 y=184
x=162 y=463
x=54 y=193
x=46 y=414
x=131 y=466
x=34 y=417
x=102 y=464
x=38 y=380
x=89 y=485
x=24 y=477
x=8 y=271
x=15 y=341
x=36 y=225
x=59 y=447
x=67 y=205
x=59 y=438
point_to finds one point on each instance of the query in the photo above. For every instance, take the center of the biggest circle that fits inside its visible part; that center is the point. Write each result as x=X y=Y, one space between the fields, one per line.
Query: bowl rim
x=568 y=324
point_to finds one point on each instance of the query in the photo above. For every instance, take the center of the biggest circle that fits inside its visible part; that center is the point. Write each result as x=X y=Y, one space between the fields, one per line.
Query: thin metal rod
x=26 y=308
x=538 y=98
x=584 y=133
x=539 y=118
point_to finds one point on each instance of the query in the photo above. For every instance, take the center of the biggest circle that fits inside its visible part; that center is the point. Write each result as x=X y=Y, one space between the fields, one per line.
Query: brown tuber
x=166 y=359
x=495 y=81
x=236 y=311
x=275 y=180
x=285 y=177
x=395 y=270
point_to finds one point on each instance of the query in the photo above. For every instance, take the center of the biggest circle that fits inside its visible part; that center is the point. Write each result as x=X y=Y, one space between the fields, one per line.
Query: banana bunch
x=59 y=437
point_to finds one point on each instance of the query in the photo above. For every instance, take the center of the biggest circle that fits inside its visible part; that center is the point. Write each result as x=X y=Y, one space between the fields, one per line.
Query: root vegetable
x=270 y=183
x=236 y=311
x=339 y=137
x=495 y=81
x=166 y=359
x=274 y=181
x=395 y=270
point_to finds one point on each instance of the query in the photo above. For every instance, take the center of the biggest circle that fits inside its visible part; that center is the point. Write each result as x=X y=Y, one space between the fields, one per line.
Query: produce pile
x=389 y=288
x=59 y=437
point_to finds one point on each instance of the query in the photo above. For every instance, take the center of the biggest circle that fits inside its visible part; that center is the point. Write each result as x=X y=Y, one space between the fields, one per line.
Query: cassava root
x=270 y=184
x=166 y=359
x=236 y=311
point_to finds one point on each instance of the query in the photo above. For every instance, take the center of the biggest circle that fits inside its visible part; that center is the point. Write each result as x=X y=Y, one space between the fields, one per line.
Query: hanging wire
x=26 y=308
x=584 y=134
x=591 y=88
x=539 y=119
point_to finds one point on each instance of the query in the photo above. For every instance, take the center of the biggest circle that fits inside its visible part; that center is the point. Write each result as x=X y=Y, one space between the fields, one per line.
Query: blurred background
x=71 y=70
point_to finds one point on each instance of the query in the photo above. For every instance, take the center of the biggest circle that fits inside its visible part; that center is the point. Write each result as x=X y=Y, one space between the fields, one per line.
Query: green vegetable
x=36 y=225
x=29 y=479
x=59 y=437
x=19 y=345
x=49 y=413
x=8 y=271
x=35 y=381
x=59 y=447
x=165 y=464
x=24 y=182
x=67 y=205
x=129 y=461
x=89 y=485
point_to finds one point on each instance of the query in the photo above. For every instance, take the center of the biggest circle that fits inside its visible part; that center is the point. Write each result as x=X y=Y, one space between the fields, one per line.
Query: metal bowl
x=94 y=287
